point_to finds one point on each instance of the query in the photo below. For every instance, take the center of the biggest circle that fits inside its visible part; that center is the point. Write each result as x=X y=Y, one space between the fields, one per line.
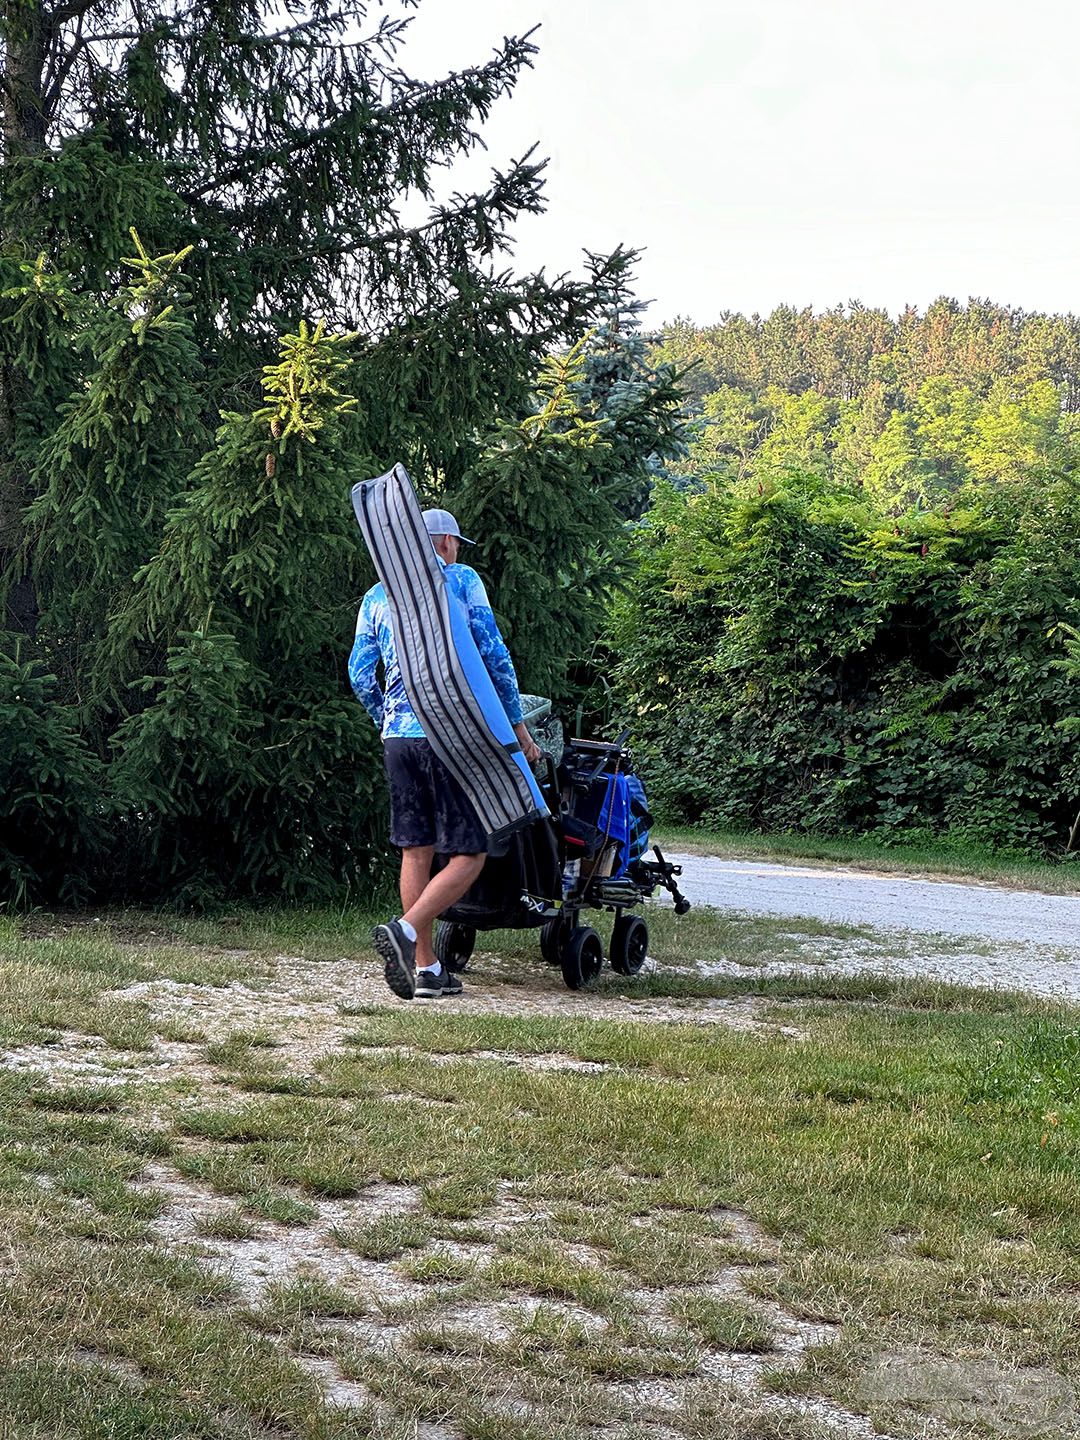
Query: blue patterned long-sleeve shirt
x=388 y=705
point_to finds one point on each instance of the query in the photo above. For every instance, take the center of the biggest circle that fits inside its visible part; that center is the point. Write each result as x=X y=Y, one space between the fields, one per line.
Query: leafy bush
x=796 y=659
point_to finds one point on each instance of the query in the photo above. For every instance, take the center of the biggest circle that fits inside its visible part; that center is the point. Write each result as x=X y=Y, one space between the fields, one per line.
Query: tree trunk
x=25 y=31
x=24 y=27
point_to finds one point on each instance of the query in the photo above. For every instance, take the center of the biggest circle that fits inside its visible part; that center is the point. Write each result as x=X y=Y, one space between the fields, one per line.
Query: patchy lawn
x=245 y=1193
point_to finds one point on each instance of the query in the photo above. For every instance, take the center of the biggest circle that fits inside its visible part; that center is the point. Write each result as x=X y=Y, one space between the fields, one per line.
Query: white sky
x=799 y=151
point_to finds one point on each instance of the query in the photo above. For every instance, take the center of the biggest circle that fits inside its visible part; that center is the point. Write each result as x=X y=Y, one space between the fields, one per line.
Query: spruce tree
x=282 y=145
x=187 y=612
x=251 y=769
x=640 y=400
x=548 y=531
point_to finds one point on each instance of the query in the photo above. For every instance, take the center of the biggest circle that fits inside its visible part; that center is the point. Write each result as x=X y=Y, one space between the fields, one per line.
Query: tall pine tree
x=251 y=768
x=183 y=615
x=287 y=148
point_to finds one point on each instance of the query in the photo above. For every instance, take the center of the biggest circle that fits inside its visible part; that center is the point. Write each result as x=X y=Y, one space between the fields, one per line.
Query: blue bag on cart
x=640 y=819
x=614 y=821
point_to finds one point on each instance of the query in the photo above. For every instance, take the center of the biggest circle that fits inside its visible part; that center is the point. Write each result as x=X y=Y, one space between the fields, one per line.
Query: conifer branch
x=420 y=96
x=53 y=87
x=504 y=197
x=70 y=10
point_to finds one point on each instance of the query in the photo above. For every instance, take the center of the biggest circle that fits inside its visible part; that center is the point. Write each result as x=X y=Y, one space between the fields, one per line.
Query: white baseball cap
x=441 y=522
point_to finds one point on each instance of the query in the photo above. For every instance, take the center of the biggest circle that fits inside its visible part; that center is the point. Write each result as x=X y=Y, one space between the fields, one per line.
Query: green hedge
x=797 y=660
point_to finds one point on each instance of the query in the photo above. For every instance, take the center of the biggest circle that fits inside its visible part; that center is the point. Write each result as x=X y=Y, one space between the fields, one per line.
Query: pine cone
x=276 y=428
x=271 y=465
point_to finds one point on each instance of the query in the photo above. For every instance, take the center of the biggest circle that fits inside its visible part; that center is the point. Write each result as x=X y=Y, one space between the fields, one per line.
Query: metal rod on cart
x=666 y=873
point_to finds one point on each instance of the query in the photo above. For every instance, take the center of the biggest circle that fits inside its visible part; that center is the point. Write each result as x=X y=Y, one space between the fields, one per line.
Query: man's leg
x=404 y=972
x=462 y=839
x=412 y=829
x=415 y=873
x=432 y=979
x=424 y=798
x=438 y=895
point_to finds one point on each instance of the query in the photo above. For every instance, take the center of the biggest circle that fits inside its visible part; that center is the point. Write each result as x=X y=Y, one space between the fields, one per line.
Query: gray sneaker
x=430 y=986
x=399 y=956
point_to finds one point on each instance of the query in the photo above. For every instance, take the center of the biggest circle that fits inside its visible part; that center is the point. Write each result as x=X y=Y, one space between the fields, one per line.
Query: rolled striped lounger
x=444 y=675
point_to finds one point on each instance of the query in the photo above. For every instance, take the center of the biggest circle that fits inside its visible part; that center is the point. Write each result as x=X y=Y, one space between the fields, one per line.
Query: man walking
x=429 y=811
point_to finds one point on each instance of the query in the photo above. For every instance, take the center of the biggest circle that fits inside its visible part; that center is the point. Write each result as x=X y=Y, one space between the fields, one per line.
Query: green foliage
x=857 y=620
x=240 y=127
x=122 y=447
x=548 y=532
x=640 y=402
x=249 y=603
x=798 y=659
x=549 y=495
x=51 y=802
x=909 y=411
x=179 y=568
x=847 y=353
x=283 y=147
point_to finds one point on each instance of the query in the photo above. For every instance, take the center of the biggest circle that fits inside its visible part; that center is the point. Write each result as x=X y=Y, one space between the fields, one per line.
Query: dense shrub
x=796 y=659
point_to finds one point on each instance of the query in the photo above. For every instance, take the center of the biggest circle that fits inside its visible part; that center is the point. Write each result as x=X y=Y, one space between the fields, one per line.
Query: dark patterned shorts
x=427 y=805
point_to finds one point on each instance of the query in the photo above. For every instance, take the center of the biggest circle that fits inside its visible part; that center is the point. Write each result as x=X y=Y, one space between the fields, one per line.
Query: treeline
x=842 y=352
x=855 y=608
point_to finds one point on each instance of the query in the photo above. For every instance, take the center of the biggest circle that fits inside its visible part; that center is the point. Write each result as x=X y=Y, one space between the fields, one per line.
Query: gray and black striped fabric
x=443 y=673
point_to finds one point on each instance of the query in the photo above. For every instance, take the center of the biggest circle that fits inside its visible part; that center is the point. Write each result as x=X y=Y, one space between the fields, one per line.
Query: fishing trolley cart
x=590 y=854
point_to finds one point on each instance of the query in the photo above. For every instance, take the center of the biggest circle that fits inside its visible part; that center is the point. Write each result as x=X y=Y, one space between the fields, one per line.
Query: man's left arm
x=496 y=657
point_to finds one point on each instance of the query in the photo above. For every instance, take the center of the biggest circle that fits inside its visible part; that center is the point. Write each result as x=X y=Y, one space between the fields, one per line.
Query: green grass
x=437 y=1267
x=298 y=932
x=384 y=1239
x=966 y=862
x=908 y=1169
x=724 y=1324
x=281 y=1208
x=230 y=1224
x=307 y=1298
x=1037 y=1065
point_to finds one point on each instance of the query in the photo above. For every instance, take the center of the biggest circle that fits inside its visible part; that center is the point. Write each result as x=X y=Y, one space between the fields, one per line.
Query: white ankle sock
x=435 y=969
x=410 y=933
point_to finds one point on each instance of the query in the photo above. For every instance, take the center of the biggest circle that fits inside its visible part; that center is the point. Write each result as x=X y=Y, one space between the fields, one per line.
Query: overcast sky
x=800 y=151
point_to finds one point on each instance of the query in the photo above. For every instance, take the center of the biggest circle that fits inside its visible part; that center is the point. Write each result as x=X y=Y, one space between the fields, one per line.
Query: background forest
x=854 y=603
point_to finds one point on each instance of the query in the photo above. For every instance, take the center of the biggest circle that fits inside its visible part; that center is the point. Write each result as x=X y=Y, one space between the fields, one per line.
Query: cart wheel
x=582 y=957
x=629 y=944
x=553 y=937
x=454 y=944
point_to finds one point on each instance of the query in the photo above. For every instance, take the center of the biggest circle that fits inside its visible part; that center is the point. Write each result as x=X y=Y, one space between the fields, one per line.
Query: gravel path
x=858 y=897
x=1020 y=939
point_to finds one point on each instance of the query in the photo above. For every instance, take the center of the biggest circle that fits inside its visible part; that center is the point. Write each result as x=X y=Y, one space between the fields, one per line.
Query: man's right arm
x=363 y=663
